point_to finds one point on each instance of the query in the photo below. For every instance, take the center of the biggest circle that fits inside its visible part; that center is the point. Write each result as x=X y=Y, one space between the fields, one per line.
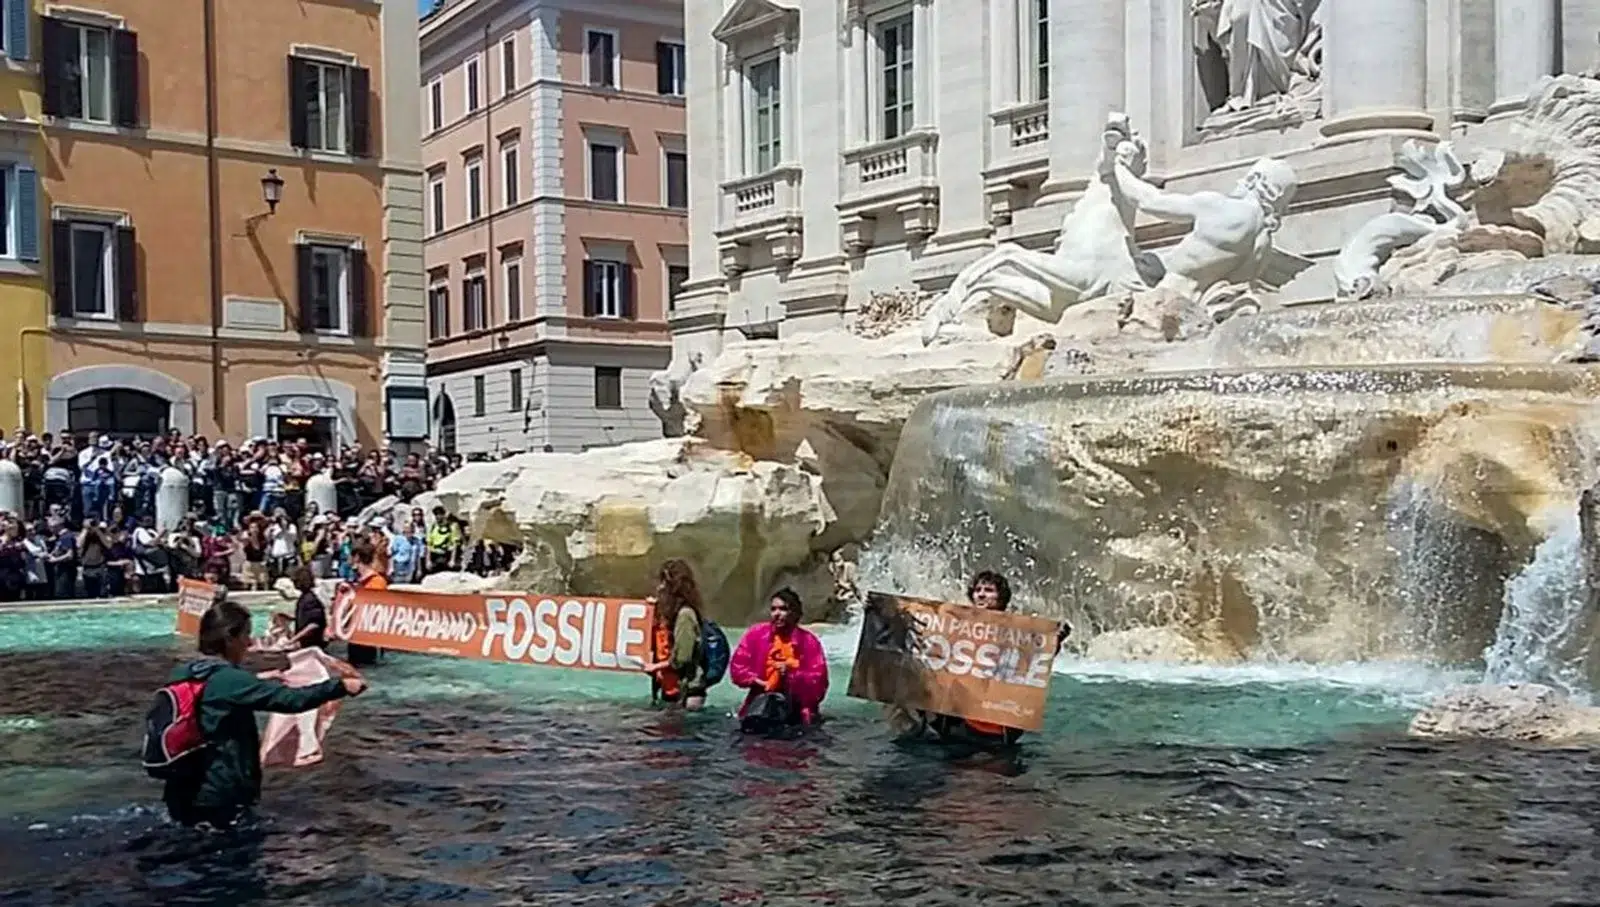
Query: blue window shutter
x=17 y=13
x=27 y=214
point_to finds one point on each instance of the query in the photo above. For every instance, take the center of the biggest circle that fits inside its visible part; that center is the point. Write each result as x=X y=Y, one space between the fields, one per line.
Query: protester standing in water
x=783 y=666
x=991 y=592
x=225 y=778
x=369 y=575
x=676 y=665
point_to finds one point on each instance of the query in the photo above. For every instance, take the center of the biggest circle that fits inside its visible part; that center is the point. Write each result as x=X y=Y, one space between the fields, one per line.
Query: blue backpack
x=714 y=651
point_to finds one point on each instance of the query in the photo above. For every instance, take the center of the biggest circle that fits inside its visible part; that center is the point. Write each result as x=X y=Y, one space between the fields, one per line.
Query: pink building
x=554 y=207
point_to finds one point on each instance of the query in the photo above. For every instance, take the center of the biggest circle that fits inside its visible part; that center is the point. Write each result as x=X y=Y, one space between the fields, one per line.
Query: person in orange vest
x=677 y=665
x=370 y=574
x=991 y=592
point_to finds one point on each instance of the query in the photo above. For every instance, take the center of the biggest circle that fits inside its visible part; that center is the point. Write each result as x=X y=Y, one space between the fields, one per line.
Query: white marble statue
x=1430 y=175
x=1270 y=53
x=1094 y=253
x=666 y=394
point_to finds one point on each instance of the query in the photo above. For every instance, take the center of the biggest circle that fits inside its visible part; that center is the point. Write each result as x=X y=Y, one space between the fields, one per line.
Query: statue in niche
x=1225 y=259
x=1259 y=63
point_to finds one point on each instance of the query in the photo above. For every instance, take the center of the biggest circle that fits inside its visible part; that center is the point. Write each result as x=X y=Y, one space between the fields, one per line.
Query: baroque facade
x=858 y=146
x=557 y=183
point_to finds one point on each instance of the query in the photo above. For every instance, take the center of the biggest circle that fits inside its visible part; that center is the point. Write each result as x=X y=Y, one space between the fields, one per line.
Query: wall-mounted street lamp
x=272 y=190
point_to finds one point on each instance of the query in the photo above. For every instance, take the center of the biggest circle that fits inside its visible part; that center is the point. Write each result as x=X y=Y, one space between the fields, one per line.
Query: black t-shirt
x=307 y=611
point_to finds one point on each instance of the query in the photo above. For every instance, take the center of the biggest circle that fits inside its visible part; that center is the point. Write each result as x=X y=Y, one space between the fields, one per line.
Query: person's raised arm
x=260 y=695
x=1173 y=207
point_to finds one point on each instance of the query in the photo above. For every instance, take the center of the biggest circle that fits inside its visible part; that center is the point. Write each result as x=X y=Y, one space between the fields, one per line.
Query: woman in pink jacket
x=784 y=668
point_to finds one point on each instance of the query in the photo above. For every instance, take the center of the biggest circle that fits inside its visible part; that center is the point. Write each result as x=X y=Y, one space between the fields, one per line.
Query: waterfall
x=1543 y=636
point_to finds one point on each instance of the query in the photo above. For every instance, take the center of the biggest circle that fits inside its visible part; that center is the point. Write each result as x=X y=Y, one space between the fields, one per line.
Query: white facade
x=864 y=145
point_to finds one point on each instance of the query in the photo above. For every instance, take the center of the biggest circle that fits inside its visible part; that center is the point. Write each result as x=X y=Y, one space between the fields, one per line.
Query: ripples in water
x=470 y=784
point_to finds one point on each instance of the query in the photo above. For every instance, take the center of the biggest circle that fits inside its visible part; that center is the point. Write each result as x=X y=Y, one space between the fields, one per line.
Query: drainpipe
x=214 y=215
x=22 y=372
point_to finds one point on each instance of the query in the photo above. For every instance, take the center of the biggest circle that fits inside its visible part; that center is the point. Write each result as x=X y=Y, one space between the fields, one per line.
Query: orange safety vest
x=666 y=678
x=781 y=653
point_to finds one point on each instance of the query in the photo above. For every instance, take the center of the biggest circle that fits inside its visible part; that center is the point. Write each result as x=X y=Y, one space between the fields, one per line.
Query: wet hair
x=991 y=578
x=678 y=591
x=791 y=599
x=302 y=579
x=222 y=622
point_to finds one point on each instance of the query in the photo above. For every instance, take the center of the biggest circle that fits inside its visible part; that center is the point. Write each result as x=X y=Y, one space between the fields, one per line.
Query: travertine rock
x=1519 y=712
x=601 y=522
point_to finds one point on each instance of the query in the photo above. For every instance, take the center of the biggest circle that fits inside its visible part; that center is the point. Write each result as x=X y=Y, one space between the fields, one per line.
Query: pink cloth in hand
x=296 y=740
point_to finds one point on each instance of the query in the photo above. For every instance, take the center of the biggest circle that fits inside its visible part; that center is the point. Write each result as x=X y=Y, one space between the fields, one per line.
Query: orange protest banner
x=955 y=660
x=607 y=634
x=194 y=598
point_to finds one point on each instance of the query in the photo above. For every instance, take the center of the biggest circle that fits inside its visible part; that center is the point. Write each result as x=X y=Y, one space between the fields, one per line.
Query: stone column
x=1088 y=81
x=922 y=50
x=856 y=96
x=1524 y=49
x=1375 y=66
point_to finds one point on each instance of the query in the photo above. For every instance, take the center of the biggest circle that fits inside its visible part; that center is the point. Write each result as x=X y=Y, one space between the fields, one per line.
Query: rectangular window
x=510 y=175
x=670 y=71
x=896 y=83
x=330 y=289
x=606 y=290
x=508 y=66
x=436 y=106
x=477 y=395
x=677 y=179
x=87 y=92
x=766 y=148
x=1038 y=77
x=474 y=188
x=600 y=51
x=438 y=311
x=516 y=390
x=511 y=280
x=93 y=271
x=436 y=203
x=605 y=172
x=472 y=85
x=328 y=91
x=474 y=307
x=607 y=387
x=677 y=276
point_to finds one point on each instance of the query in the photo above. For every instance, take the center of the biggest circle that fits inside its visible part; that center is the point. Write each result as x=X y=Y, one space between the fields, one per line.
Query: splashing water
x=1544 y=635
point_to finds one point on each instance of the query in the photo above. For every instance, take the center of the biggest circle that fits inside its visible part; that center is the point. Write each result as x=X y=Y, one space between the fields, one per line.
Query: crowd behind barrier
x=96 y=516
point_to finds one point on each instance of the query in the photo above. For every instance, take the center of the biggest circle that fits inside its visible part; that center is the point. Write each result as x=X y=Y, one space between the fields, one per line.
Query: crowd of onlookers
x=88 y=522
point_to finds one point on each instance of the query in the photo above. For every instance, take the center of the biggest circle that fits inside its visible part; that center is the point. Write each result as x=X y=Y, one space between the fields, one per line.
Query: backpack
x=714 y=651
x=172 y=729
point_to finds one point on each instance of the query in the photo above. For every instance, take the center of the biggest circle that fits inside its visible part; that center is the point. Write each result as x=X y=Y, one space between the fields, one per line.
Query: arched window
x=444 y=420
x=119 y=413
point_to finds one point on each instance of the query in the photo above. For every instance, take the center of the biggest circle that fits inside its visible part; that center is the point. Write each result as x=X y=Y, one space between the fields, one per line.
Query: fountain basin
x=1315 y=514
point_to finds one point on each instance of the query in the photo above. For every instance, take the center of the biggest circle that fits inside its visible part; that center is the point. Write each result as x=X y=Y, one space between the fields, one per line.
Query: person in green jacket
x=224 y=780
x=676 y=666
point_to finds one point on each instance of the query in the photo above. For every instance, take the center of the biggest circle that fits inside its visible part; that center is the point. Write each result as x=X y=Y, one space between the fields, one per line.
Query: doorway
x=316 y=431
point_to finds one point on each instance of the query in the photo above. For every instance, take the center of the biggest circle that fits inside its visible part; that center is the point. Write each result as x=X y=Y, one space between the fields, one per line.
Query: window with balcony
x=474 y=188
x=435 y=105
x=508 y=66
x=436 y=220
x=474 y=303
x=677 y=179
x=896 y=85
x=608 y=289
x=671 y=69
x=472 y=78
x=1038 y=50
x=511 y=288
x=330 y=106
x=765 y=115
x=510 y=174
x=95 y=270
x=332 y=281
x=605 y=171
x=607 y=387
x=438 y=311
x=600 y=56
x=90 y=72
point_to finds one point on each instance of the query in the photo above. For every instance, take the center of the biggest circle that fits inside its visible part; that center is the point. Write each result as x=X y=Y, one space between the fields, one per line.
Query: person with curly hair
x=676 y=665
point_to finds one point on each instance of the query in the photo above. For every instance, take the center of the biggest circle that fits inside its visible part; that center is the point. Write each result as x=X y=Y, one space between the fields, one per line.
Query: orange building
x=234 y=218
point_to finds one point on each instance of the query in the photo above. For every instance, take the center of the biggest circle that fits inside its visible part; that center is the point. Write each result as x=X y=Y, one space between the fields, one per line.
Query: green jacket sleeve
x=241 y=689
x=685 y=639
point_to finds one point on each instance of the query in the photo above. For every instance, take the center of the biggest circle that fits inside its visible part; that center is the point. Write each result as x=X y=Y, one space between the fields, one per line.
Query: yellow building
x=24 y=301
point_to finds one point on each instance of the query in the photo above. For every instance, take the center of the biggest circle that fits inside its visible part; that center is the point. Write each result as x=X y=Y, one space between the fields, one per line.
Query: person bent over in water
x=783 y=666
x=225 y=779
x=991 y=592
x=677 y=666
